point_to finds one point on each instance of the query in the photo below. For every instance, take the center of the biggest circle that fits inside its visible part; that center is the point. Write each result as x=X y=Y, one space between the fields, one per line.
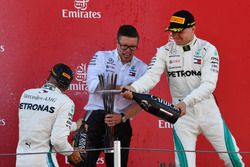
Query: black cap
x=62 y=74
x=181 y=20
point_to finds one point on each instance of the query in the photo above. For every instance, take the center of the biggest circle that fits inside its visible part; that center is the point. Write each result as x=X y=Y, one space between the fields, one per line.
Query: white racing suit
x=192 y=77
x=45 y=118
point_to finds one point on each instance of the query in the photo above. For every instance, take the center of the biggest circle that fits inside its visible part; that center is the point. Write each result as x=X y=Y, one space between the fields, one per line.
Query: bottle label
x=80 y=140
x=162 y=101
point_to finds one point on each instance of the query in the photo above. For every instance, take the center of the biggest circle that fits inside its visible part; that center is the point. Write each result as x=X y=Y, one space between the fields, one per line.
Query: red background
x=34 y=36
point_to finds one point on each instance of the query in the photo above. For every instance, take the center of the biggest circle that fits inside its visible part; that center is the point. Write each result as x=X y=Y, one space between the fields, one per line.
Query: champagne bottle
x=157 y=106
x=79 y=141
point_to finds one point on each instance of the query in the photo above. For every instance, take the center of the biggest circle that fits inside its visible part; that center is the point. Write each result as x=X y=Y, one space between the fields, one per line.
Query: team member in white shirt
x=45 y=119
x=122 y=62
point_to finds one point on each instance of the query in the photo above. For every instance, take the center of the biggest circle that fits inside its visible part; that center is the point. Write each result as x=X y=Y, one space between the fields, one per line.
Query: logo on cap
x=66 y=75
x=176 y=19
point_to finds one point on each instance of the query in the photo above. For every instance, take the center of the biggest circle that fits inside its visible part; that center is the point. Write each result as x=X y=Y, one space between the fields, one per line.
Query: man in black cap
x=181 y=20
x=192 y=67
x=45 y=119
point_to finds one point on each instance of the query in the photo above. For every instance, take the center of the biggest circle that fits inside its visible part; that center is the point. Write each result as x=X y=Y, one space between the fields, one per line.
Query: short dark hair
x=128 y=31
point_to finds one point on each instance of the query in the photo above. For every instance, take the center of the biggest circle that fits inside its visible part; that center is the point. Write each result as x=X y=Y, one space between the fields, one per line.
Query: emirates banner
x=35 y=35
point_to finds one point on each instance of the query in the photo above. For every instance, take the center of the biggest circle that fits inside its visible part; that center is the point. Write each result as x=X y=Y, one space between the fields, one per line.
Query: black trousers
x=96 y=135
